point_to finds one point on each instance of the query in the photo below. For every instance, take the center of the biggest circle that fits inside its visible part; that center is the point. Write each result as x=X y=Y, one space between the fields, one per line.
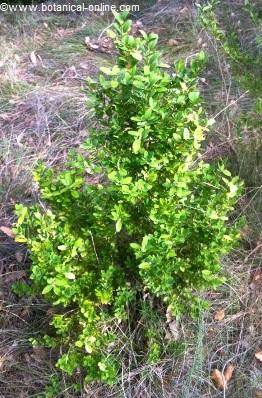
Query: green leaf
x=214 y=215
x=126 y=180
x=111 y=34
x=119 y=17
x=144 y=34
x=226 y=172
x=138 y=84
x=135 y=246
x=88 y=348
x=193 y=96
x=20 y=239
x=118 y=225
x=137 y=55
x=180 y=66
x=144 y=243
x=62 y=247
x=146 y=70
x=114 y=83
x=163 y=65
x=47 y=289
x=202 y=56
x=186 y=134
x=144 y=265
x=152 y=103
x=181 y=99
x=101 y=366
x=232 y=190
x=70 y=275
x=115 y=70
x=127 y=25
x=106 y=71
x=136 y=146
x=211 y=122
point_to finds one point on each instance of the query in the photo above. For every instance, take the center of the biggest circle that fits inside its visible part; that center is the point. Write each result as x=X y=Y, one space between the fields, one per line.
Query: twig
x=93 y=243
x=104 y=30
x=230 y=104
x=252 y=252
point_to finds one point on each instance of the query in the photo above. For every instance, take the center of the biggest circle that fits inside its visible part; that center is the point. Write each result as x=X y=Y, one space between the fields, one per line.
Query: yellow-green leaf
x=70 y=275
x=136 y=146
x=118 y=225
x=137 y=55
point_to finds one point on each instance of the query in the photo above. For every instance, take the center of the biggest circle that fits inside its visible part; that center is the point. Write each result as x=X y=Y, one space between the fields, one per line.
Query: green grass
x=10 y=92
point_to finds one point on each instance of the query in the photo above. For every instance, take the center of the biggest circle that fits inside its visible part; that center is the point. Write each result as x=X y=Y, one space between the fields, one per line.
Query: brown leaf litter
x=221 y=380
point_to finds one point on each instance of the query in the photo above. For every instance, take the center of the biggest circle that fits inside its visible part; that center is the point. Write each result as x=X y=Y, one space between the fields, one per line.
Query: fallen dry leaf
x=2 y=363
x=258 y=394
x=245 y=232
x=90 y=45
x=258 y=355
x=39 y=354
x=219 y=315
x=24 y=313
x=33 y=58
x=7 y=231
x=19 y=256
x=218 y=379
x=12 y=277
x=137 y=26
x=221 y=380
x=256 y=279
x=169 y=316
x=229 y=373
x=173 y=43
x=28 y=358
x=257 y=275
x=199 y=42
x=67 y=32
x=174 y=330
x=184 y=10
x=105 y=42
x=5 y=116
x=22 y=395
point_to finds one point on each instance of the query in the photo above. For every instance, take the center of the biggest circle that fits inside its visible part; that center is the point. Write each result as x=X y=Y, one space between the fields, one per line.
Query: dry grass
x=42 y=106
x=43 y=65
x=43 y=114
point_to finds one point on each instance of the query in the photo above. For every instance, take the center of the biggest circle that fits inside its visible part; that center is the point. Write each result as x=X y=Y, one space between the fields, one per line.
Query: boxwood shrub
x=135 y=219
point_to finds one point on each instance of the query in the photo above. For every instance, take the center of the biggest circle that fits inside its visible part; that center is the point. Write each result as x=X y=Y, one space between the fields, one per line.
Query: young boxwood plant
x=139 y=221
